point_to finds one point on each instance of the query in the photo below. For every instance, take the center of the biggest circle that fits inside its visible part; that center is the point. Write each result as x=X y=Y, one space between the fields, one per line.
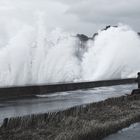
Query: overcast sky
x=79 y=16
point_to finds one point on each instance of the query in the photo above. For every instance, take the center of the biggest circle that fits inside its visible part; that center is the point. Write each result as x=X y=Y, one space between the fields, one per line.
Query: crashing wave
x=34 y=55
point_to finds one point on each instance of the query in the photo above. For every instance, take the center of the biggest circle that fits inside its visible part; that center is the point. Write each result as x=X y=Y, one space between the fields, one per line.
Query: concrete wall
x=32 y=90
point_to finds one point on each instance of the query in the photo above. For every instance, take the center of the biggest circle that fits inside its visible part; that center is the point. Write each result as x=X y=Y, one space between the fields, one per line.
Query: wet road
x=60 y=101
x=130 y=133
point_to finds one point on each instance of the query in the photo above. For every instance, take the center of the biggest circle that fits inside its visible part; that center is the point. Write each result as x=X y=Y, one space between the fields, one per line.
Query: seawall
x=33 y=90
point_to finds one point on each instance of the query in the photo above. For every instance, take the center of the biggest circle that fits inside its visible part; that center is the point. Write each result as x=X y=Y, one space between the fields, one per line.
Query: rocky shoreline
x=88 y=122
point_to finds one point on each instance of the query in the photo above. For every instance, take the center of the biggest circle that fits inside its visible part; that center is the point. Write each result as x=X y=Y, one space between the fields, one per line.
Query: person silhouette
x=138 y=80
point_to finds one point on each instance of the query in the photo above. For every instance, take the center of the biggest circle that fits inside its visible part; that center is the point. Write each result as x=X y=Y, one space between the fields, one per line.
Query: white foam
x=34 y=55
x=114 y=54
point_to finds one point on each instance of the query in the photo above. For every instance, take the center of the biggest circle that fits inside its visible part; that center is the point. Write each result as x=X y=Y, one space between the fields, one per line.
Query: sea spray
x=113 y=54
x=34 y=56
x=15 y=58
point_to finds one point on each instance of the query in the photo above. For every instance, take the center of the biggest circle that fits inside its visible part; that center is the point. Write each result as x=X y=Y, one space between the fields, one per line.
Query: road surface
x=130 y=133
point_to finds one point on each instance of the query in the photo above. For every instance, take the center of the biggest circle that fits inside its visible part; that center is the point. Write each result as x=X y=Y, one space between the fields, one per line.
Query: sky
x=78 y=16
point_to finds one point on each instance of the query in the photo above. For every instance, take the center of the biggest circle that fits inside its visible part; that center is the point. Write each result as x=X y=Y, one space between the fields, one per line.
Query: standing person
x=138 y=80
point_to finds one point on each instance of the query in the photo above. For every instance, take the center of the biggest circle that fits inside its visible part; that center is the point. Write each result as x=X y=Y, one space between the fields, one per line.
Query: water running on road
x=60 y=101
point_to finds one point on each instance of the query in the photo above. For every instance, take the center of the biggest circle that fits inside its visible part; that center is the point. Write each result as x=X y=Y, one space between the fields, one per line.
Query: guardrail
x=33 y=90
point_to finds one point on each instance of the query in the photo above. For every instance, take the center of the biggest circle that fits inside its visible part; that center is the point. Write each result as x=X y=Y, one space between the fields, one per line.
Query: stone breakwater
x=88 y=122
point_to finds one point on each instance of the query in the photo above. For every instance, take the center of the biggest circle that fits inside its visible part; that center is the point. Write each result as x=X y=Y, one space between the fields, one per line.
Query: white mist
x=34 y=55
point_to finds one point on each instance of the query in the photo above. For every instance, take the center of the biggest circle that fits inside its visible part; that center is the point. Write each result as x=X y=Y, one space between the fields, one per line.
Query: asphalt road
x=130 y=133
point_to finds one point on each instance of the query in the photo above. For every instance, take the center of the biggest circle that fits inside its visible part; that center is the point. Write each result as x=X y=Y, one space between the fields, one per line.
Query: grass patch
x=91 y=122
